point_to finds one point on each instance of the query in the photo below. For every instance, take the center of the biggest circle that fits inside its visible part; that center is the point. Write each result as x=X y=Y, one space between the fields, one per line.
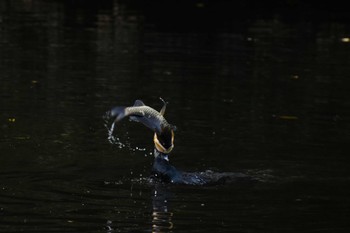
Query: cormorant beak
x=160 y=147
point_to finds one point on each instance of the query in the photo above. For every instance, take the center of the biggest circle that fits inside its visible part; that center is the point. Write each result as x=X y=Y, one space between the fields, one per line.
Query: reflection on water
x=252 y=93
x=161 y=215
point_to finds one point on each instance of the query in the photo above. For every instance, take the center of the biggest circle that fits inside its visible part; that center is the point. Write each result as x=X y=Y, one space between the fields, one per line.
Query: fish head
x=164 y=140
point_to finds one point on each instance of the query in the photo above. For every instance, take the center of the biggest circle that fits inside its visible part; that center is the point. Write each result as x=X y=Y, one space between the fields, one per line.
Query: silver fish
x=151 y=118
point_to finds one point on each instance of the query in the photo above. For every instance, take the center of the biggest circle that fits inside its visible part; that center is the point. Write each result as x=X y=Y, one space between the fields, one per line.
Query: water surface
x=261 y=96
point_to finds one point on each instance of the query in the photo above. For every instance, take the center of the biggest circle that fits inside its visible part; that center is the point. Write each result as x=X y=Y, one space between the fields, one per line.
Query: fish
x=151 y=118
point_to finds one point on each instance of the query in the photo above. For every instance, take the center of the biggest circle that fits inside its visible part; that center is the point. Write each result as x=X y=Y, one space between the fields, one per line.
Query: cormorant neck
x=163 y=170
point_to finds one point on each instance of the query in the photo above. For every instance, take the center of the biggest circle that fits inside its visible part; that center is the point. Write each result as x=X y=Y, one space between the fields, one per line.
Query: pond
x=263 y=96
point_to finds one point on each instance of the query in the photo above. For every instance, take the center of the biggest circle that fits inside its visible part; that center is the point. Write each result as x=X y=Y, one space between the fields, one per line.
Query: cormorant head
x=164 y=141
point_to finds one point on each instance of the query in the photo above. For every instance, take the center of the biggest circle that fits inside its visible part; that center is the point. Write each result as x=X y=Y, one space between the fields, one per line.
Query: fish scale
x=149 y=113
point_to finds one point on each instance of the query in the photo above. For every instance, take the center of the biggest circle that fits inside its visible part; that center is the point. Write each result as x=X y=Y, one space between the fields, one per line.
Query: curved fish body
x=143 y=114
x=151 y=118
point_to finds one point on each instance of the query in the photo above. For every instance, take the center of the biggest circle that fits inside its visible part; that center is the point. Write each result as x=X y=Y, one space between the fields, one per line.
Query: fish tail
x=118 y=112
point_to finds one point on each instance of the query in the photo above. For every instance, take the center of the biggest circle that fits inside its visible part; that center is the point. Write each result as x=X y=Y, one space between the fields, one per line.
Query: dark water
x=263 y=96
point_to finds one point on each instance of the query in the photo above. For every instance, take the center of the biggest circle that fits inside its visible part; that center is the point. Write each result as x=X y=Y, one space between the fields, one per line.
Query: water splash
x=115 y=140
